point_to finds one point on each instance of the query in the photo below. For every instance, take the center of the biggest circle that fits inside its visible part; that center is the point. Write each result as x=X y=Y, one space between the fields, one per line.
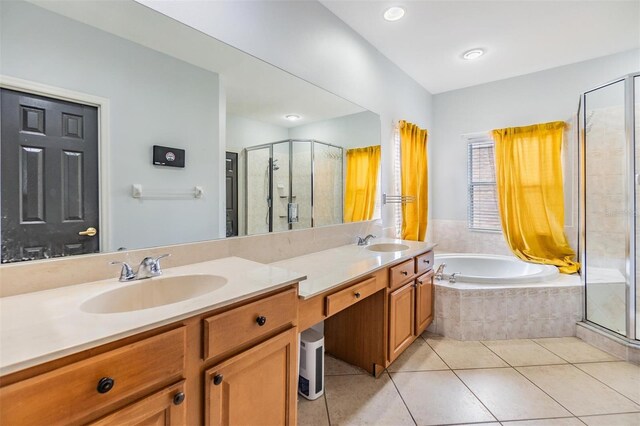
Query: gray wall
x=548 y=95
x=349 y=131
x=306 y=39
x=154 y=99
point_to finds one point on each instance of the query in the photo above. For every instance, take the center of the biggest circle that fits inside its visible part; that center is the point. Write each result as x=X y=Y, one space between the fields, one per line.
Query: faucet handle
x=126 y=273
x=153 y=263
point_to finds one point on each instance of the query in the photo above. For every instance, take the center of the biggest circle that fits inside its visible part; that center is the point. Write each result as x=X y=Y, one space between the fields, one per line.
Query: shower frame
x=630 y=201
x=270 y=145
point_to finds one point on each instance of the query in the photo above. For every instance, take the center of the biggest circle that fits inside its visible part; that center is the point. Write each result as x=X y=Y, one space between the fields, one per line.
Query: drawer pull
x=105 y=384
x=217 y=379
x=357 y=295
x=261 y=320
x=404 y=273
x=178 y=398
x=427 y=261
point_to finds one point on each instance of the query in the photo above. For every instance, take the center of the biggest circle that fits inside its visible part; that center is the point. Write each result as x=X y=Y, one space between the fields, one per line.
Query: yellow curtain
x=530 y=193
x=413 y=175
x=363 y=165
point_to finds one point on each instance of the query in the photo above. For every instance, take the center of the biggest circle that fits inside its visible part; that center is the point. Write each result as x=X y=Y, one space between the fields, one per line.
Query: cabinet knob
x=357 y=294
x=178 y=398
x=261 y=320
x=217 y=379
x=105 y=384
x=404 y=272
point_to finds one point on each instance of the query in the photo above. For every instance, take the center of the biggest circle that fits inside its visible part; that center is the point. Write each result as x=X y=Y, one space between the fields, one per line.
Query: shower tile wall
x=257 y=191
x=327 y=185
x=301 y=177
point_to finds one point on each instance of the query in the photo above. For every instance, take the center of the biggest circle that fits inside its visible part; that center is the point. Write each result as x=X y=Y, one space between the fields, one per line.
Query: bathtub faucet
x=440 y=272
x=452 y=277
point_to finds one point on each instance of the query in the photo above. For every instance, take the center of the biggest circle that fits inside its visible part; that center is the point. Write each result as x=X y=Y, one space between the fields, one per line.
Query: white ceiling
x=519 y=37
x=254 y=89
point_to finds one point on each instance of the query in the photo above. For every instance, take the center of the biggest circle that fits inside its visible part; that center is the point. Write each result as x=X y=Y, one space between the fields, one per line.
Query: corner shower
x=292 y=184
x=609 y=118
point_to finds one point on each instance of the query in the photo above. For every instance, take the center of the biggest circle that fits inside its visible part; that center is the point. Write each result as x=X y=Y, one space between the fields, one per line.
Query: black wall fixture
x=165 y=156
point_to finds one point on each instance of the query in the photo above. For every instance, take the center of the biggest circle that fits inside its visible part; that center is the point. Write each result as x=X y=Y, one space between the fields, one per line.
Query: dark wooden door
x=231 y=182
x=49 y=177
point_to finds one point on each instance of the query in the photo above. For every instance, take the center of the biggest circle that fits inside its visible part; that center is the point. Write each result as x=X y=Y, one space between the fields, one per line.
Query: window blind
x=482 y=197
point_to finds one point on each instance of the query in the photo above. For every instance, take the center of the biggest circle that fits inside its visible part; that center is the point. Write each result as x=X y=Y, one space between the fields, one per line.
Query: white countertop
x=333 y=267
x=42 y=326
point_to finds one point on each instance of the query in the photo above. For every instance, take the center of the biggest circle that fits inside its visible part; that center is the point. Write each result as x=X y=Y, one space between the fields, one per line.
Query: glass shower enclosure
x=293 y=184
x=609 y=193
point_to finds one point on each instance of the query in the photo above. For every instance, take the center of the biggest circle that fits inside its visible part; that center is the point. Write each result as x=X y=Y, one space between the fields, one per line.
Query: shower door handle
x=292 y=212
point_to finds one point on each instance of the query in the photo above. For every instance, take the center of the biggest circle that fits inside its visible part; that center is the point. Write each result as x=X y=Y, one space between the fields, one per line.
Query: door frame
x=102 y=104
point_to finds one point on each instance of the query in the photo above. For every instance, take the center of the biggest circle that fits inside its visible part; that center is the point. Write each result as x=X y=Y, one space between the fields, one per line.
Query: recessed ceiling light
x=472 y=54
x=393 y=13
x=292 y=117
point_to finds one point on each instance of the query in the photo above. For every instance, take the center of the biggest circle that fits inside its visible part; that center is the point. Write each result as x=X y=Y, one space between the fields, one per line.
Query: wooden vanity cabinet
x=424 y=302
x=167 y=376
x=402 y=314
x=166 y=407
x=256 y=387
x=410 y=305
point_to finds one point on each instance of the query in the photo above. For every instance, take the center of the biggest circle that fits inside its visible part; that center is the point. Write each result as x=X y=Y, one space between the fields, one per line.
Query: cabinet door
x=255 y=387
x=401 y=319
x=163 y=408
x=424 y=302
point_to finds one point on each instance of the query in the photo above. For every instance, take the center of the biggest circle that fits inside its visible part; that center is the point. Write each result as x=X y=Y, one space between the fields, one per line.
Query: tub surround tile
x=575 y=350
x=621 y=376
x=460 y=355
x=449 y=399
x=523 y=352
x=360 y=400
x=503 y=391
x=578 y=392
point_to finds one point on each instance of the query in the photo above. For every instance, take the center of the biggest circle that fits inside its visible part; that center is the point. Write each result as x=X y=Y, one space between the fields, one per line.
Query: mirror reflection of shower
x=293 y=184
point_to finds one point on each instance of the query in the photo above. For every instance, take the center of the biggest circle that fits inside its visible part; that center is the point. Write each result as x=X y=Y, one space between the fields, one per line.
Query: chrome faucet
x=452 y=277
x=440 y=272
x=365 y=241
x=149 y=267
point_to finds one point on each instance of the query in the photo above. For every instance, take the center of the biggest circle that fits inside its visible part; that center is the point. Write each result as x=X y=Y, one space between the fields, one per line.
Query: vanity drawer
x=336 y=302
x=231 y=329
x=401 y=273
x=90 y=388
x=424 y=262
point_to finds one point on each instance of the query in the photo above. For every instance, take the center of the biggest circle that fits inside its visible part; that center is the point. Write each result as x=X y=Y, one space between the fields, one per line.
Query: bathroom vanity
x=226 y=357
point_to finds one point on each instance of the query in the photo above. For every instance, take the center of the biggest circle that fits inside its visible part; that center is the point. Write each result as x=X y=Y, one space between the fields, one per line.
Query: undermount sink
x=387 y=247
x=153 y=292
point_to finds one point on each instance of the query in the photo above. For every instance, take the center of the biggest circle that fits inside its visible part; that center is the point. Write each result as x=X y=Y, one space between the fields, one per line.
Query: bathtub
x=494 y=269
x=501 y=297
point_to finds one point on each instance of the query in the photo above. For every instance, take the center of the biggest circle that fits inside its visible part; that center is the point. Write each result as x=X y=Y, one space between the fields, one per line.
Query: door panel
x=401 y=319
x=424 y=302
x=49 y=173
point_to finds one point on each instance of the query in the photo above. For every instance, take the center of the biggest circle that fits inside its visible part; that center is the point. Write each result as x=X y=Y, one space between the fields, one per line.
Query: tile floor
x=440 y=381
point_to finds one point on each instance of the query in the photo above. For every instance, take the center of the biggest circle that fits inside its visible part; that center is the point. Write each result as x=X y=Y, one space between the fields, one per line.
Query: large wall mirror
x=125 y=129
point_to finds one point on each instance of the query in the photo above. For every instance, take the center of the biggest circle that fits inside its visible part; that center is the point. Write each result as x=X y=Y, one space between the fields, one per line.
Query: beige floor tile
x=509 y=395
x=312 y=413
x=631 y=419
x=459 y=354
x=523 y=352
x=364 y=400
x=574 y=350
x=336 y=367
x=439 y=397
x=576 y=391
x=621 y=376
x=570 y=421
x=418 y=357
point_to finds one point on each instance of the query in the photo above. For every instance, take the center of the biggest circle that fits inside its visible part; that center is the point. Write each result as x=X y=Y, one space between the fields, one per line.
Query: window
x=483 y=203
